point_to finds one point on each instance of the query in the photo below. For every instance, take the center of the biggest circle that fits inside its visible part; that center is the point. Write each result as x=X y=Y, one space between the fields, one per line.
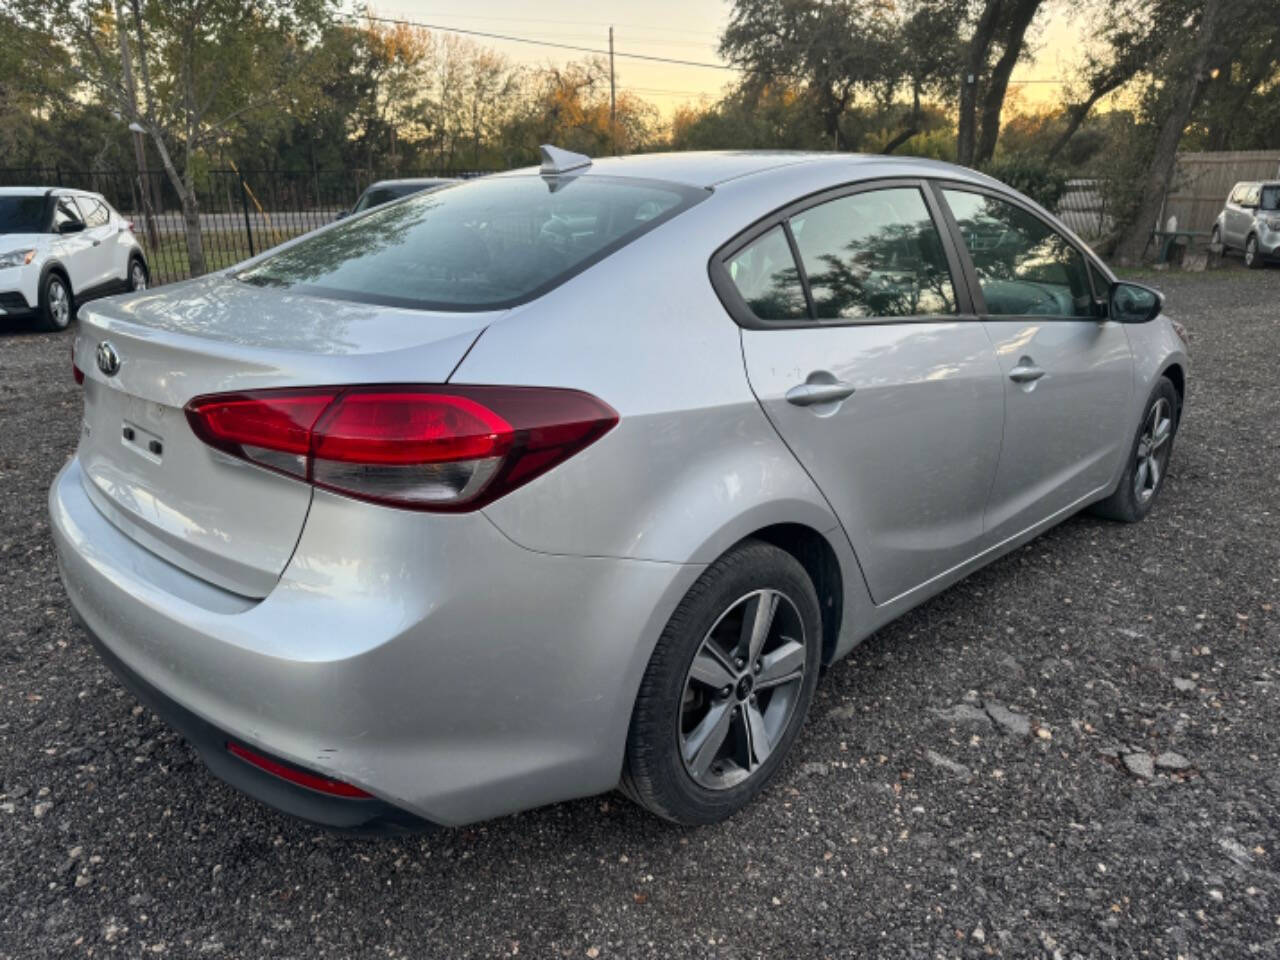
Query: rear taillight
x=425 y=448
x=76 y=372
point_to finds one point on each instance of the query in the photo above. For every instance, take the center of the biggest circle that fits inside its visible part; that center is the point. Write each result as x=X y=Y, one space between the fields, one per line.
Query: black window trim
x=742 y=314
x=971 y=274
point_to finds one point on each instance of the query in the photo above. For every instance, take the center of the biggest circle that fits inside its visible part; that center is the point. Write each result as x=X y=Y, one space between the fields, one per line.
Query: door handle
x=1025 y=372
x=810 y=394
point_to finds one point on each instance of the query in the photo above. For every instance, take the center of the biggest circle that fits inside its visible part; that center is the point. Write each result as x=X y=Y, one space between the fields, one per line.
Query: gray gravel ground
x=1072 y=754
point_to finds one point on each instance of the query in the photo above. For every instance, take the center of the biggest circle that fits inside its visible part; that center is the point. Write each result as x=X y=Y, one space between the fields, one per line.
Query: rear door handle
x=1025 y=372
x=810 y=394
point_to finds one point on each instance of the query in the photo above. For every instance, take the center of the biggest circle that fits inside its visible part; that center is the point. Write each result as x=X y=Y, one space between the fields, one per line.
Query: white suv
x=62 y=247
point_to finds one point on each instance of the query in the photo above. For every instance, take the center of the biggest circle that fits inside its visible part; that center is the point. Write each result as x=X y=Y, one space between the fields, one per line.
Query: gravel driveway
x=1074 y=753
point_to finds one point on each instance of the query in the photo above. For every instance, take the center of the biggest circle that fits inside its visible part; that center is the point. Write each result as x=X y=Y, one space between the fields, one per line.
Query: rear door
x=1067 y=369
x=865 y=355
x=101 y=234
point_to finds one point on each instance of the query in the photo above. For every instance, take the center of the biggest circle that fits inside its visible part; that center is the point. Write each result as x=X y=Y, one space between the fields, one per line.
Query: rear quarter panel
x=693 y=464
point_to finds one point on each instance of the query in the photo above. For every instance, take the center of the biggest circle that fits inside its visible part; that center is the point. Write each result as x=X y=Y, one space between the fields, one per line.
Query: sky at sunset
x=683 y=30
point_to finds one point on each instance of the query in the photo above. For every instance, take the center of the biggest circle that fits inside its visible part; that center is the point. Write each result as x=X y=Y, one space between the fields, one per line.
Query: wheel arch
x=814 y=552
x=55 y=266
x=1178 y=377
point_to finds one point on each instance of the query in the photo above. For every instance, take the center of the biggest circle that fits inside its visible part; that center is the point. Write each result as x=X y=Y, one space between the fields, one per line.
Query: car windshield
x=22 y=214
x=481 y=245
x=1270 y=197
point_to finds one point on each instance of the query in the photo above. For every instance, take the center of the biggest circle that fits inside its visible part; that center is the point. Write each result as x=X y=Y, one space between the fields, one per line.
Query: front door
x=75 y=250
x=871 y=367
x=1067 y=372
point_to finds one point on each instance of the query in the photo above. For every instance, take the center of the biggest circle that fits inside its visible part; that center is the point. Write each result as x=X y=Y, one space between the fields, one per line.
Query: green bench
x=1168 y=239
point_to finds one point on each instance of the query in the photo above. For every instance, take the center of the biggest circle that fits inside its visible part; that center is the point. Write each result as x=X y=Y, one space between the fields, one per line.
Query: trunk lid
x=221 y=519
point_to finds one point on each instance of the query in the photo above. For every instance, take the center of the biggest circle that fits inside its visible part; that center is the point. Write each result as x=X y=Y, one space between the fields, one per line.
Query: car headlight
x=17 y=258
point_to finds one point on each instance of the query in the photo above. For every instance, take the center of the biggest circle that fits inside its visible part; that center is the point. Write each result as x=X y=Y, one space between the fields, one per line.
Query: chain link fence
x=242 y=212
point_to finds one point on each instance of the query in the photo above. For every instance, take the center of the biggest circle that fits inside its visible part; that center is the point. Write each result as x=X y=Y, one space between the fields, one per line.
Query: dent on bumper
x=424 y=658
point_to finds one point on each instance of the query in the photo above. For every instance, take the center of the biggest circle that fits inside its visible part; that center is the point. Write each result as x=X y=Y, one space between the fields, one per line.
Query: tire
x=57 y=306
x=1252 y=258
x=137 y=277
x=1215 y=241
x=1145 y=472
x=679 y=707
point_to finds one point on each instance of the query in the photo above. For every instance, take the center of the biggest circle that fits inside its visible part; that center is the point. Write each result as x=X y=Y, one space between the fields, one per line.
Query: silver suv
x=1250 y=221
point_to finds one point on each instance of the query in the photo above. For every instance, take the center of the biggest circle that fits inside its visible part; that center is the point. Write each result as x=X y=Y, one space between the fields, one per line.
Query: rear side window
x=766 y=276
x=95 y=214
x=874 y=254
x=481 y=245
x=1025 y=267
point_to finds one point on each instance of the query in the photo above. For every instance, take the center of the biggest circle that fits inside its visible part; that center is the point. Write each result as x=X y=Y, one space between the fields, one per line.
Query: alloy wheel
x=741 y=690
x=137 y=277
x=59 y=303
x=1153 y=450
x=1250 y=251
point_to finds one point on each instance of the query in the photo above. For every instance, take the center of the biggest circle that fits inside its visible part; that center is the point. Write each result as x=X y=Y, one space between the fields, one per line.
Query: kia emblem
x=108 y=359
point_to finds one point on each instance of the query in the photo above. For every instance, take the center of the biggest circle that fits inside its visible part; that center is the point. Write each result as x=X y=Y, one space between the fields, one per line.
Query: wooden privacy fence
x=1202 y=181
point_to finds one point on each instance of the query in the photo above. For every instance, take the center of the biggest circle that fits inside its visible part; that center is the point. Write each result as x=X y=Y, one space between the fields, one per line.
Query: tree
x=187 y=71
x=1134 y=34
x=831 y=50
x=1186 y=93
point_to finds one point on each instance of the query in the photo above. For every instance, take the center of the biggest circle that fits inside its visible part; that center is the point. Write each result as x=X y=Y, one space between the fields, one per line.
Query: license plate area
x=142 y=441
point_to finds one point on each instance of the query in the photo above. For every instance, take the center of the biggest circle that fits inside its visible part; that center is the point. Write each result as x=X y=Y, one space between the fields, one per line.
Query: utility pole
x=613 y=100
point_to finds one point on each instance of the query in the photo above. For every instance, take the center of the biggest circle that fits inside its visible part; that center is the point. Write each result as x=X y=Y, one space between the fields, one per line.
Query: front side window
x=766 y=277
x=1270 y=197
x=874 y=254
x=65 y=212
x=1024 y=267
x=481 y=245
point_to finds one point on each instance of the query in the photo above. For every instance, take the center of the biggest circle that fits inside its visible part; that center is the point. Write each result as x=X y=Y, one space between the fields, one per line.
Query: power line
x=576 y=23
x=397 y=21
x=404 y=22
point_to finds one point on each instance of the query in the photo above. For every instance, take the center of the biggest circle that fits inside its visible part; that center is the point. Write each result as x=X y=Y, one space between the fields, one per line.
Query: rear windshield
x=22 y=214
x=481 y=245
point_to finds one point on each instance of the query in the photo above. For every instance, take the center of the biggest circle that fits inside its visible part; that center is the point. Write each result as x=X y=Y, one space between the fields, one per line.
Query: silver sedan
x=575 y=477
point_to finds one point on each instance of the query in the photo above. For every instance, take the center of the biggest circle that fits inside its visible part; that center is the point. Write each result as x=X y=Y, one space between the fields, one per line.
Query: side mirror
x=1134 y=303
x=71 y=226
x=342 y=215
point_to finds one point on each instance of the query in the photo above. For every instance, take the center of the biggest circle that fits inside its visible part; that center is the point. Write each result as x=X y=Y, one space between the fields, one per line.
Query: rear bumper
x=362 y=815
x=426 y=659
